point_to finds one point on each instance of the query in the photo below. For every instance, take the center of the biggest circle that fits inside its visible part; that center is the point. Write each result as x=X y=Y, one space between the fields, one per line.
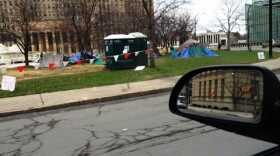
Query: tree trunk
x=228 y=40
x=152 y=41
x=152 y=59
x=26 y=57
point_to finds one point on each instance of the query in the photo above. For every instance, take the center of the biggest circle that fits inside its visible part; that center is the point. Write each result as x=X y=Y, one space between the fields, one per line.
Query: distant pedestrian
x=219 y=46
x=40 y=57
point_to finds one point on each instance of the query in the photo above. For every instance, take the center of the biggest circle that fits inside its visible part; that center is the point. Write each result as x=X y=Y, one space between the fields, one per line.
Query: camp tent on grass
x=48 y=59
x=187 y=44
x=76 y=57
x=100 y=61
x=194 y=51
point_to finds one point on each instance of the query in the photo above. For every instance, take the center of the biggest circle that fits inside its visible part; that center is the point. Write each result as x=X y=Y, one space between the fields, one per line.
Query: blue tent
x=78 y=56
x=75 y=57
x=194 y=51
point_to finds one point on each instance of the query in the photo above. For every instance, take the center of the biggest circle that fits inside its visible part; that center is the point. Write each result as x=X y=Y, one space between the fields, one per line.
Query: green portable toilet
x=140 y=45
x=140 y=41
x=117 y=45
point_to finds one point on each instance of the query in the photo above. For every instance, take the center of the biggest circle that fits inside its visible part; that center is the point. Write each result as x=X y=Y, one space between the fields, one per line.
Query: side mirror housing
x=243 y=99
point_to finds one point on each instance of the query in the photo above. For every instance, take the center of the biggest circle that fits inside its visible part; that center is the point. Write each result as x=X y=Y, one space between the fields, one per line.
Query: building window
x=216 y=88
x=204 y=90
x=222 y=88
x=50 y=38
x=255 y=90
x=210 y=89
x=199 y=92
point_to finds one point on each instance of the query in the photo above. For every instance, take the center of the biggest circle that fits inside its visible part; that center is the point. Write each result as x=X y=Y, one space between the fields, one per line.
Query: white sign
x=139 y=68
x=261 y=55
x=8 y=83
x=126 y=49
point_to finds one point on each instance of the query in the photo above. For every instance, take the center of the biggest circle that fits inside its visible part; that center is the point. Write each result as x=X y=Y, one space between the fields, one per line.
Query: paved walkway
x=47 y=101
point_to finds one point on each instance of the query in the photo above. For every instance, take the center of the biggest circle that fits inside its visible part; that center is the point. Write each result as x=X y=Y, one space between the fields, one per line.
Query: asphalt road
x=133 y=127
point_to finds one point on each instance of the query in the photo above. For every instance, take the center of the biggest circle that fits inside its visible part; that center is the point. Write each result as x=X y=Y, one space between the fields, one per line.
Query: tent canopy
x=99 y=60
x=186 y=44
x=47 y=59
x=13 y=49
x=194 y=51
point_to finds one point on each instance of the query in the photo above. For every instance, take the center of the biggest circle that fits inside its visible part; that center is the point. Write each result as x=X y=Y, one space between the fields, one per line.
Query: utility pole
x=270 y=29
x=195 y=23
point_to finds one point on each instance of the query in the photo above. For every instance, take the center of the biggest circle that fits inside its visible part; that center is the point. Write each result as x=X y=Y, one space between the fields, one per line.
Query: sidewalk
x=48 y=101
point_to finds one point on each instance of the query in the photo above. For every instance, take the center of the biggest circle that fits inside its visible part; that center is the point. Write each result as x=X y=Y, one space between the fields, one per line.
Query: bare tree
x=165 y=29
x=153 y=12
x=232 y=13
x=100 y=27
x=234 y=85
x=19 y=19
x=184 y=24
x=79 y=20
x=170 y=27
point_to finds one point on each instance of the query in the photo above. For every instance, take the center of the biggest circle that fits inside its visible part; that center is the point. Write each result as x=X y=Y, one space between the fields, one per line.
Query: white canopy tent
x=3 y=49
x=12 y=49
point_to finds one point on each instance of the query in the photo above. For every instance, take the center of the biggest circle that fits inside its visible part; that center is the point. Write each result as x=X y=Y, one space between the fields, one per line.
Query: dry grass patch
x=31 y=73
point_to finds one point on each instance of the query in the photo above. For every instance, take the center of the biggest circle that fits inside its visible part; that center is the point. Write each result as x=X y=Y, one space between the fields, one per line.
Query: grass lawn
x=166 y=66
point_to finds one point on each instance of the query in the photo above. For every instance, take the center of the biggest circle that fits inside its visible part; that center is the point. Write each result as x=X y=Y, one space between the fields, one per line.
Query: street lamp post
x=195 y=23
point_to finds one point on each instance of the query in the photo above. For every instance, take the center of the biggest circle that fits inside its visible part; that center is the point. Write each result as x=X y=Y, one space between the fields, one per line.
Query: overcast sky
x=210 y=8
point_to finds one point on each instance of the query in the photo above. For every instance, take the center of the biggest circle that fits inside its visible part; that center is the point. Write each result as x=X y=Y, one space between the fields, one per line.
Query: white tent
x=3 y=49
x=14 y=49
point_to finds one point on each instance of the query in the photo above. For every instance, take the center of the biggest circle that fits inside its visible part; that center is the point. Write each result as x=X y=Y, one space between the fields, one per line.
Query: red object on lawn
x=79 y=62
x=20 y=68
x=51 y=65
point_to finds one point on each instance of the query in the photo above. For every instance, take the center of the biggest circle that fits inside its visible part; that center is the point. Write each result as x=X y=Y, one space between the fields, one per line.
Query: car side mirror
x=244 y=99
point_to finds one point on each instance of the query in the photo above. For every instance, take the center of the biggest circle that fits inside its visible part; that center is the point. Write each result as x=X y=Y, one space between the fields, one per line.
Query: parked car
x=275 y=43
x=181 y=102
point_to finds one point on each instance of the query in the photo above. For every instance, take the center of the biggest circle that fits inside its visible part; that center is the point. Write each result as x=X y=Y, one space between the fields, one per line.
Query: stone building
x=233 y=90
x=112 y=17
x=212 y=39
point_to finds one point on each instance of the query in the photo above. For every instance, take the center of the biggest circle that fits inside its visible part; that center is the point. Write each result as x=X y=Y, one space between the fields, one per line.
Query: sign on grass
x=8 y=83
x=261 y=55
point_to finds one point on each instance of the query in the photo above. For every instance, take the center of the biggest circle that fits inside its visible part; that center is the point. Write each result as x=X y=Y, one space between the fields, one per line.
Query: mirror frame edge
x=268 y=122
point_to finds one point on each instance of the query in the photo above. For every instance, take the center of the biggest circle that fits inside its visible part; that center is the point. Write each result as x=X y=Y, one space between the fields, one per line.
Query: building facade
x=212 y=39
x=233 y=90
x=257 y=20
x=111 y=16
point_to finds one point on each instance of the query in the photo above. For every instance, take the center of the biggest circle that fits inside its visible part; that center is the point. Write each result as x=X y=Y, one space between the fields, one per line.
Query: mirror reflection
x=234 y=95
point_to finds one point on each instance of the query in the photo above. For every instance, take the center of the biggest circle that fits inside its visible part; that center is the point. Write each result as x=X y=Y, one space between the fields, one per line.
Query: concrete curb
x=87 y=102
x=276 y=69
